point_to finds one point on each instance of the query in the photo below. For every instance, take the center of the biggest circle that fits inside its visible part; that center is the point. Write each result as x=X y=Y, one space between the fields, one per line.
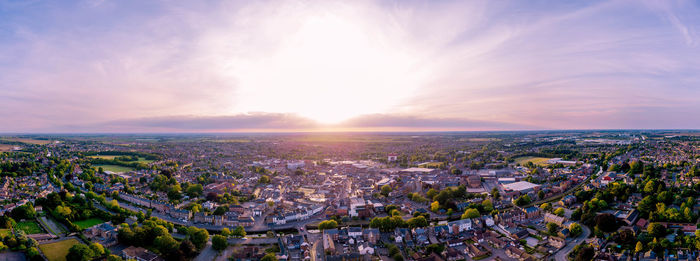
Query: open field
x=29 y=227
x=111 y=157
x=28 y=141
x=6 y=147
x=83 y=224
x=535 y=160
x=57 y=251
x=4 y=232
x=114 y=168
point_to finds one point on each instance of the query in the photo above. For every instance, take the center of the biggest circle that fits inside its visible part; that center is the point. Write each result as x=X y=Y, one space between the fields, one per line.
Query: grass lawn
x=83 y=224
x=57 y=251
x=535 y=160
x=111 y=157
x=29 y=227
x=4 y=232
x=114 y=168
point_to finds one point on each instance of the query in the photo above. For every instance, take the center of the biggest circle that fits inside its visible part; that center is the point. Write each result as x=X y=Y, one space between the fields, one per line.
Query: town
x=547 y=195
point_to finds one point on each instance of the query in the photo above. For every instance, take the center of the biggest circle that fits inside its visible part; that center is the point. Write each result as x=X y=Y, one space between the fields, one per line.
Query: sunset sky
x=211 y=66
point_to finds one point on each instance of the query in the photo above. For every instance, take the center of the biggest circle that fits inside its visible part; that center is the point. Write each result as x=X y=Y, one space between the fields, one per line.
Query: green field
x=29 y=227
x=83 y=224
x=5 y=232
x=57 y=251
x=114 y=168
x=535 y=160
x=111 y=157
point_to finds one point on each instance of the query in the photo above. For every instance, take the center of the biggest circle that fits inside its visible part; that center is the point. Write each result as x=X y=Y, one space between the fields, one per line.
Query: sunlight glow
x=329 y=70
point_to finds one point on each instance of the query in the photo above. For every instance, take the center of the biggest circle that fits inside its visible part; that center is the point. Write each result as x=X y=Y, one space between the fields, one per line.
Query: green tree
x=546 y=206
x=239 y=231
x=488 y=206
x=431 y=193
x=656 y=230
x=435 y=206
x=97 y=249
x=219 y=242
x=575 y=229
x=269 y=257
x=470 y=213
x=552 y=229
x=418 y=221
x=165 y=244
x=265 y=179
x=225 y=232
x=639 y=247
x=327 y=224
x=559 y=212
x=199 y=237
x=79 y=252
x=386 y=189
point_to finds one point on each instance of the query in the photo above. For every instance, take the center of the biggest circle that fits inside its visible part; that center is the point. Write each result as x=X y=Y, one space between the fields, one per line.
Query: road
x=564 y=252
x=207 y=254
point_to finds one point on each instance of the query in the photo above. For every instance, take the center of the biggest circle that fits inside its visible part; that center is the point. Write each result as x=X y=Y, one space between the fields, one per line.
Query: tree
x=114 y=258
x=639 y=247
x=239 y=231
x=225 y=232
x=187 y=248
x=470 y=213
x=97 y=249
x=552 y=229
x=265 y=179
x=219 y=242
x=488 y=206
x=220 y=210
x=434 y=248
x=79 y=252
x=606 y=222
x=199 y=237
x=559 y=212
x=165 y=244
x=435 y=206
x=540 y=194
x=495 y=193
x=522 y=200
x=327 y=224
x=546 y=206
x=431 y=193
x=269 y=257
x=418 y=221
x=585 y=254
x=386 y=189
x=575 y=229
x=656 y=230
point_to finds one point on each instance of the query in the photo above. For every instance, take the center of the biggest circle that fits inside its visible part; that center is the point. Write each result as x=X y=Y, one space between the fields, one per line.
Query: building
x=549 y=217
x=140 y=254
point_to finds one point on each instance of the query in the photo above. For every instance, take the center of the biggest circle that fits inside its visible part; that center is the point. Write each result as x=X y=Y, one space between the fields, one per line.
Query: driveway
x=564 y=252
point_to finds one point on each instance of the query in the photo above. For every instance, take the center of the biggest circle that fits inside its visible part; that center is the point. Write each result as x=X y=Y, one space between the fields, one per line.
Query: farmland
x=27 y=141
x=57 y=251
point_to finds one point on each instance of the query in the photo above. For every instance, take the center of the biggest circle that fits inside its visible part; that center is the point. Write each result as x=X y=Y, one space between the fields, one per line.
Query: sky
x=242 y=66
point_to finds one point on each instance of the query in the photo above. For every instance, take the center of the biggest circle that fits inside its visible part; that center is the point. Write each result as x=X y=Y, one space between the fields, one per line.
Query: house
x=355 y=232
x=371 y=235
x=140 y=254
x=557 y=242
x=549 y=217
x=452 y=254
x=459 y=226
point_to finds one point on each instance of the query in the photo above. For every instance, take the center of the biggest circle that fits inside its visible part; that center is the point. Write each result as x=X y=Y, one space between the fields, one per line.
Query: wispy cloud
x=447 y=64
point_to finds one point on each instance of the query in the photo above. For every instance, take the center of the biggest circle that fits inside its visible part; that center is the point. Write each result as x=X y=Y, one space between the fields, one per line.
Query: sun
x=329 y=69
